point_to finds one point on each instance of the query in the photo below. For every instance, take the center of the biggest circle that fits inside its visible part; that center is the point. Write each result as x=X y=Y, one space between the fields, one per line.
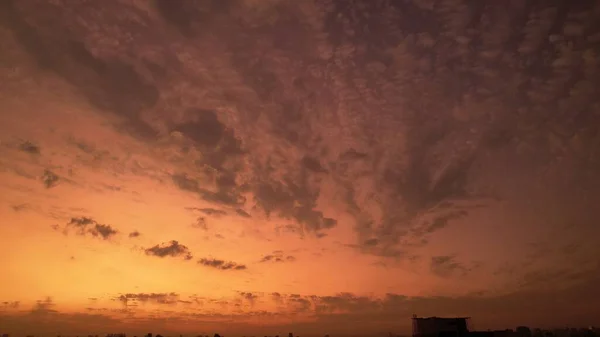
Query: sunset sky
x=259 y=167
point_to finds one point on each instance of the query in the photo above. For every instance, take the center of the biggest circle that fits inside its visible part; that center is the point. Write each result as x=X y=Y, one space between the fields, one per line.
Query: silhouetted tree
x=217 y=335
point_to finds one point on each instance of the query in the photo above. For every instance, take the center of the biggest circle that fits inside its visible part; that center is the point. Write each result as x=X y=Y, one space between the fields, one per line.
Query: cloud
x=221 y=264
x=171 y=249
x=87 y=226
x=212 y=211
x=104 y=231
x=201 y=223
x=21 y=207
x=277 y=256
x=29 y=147
x=342 y=313
x=134 y=234
x=50 y=179
x=249 y=297
x=223 y=195
x=11 y=304
x=157 y=298
x=44 y=306
x=110 y=85
x=313 y=165
x=352 y=154
x=317 y=123
x=242 y=213
x=446 y=266
x=291 y=200
x=221 y=160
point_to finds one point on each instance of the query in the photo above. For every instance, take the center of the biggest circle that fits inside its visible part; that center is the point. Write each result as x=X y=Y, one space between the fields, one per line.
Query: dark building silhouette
x=440 y=327
x=492 y=333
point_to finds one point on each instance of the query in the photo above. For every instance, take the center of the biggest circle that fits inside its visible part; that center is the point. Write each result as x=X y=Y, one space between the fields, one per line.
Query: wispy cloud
x=277 y=256
x=29 y=147
x=87 y=226
x=221 y=264
x=158 y=298
x=50 y=179
x=242 y=213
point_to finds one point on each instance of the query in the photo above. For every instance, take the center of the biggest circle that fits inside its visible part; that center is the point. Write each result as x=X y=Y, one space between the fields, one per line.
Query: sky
x=259 y=167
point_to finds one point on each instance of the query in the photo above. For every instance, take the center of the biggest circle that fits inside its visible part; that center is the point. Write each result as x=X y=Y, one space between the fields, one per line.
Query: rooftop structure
x=440 y=326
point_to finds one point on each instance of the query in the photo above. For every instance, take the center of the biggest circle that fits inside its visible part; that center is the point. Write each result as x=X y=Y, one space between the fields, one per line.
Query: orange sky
x=145 y=159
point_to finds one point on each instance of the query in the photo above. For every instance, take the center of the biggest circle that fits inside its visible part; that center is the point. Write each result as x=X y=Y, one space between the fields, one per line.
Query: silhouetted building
x=492 y=333
x=440 y=327
x=523 y=331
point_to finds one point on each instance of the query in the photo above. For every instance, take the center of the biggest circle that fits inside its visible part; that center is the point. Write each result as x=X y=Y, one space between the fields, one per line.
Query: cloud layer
x=309 y=164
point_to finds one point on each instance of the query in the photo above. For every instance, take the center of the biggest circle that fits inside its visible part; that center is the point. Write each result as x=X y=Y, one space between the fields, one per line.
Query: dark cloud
x=221 y=159
x=109 y=84
x=21 y=207
x=211 y=211
x=242 y=213
x=11 y=304
x=134 y=234
x=201 y=223
x=157 y=298
x=221 y=264
x=290 y=228
x=295 y=201
x=352 y=154
x=446 y=266
x=29 y=147
x=43 y=307
x=50 y=179
x=277 y=256
x=104 y=231
x=87 y=226
x=191 y=19
x=250 y=297
x=171 y=249
x=206 y=130
x=224 y=196
x=313 y=165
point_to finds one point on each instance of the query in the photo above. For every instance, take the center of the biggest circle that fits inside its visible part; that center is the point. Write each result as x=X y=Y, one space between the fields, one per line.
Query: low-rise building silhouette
x=439 y=326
